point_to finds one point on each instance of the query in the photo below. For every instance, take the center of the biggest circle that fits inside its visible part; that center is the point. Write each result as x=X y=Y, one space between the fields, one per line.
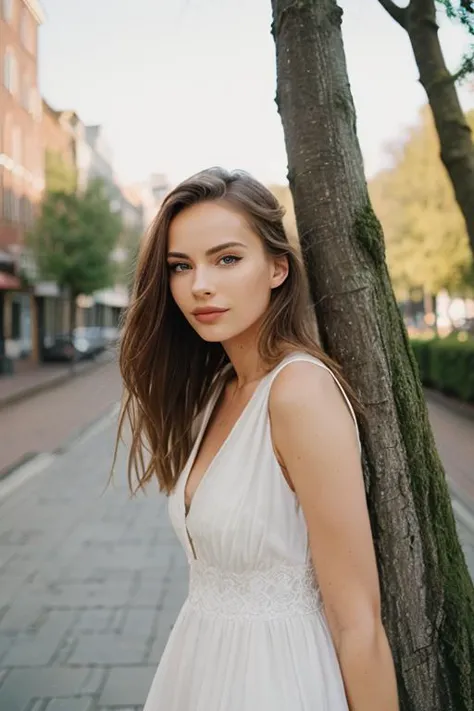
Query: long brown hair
x=169 y=372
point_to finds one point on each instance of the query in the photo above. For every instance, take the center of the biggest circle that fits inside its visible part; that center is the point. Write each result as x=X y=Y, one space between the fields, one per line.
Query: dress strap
x=312 y=359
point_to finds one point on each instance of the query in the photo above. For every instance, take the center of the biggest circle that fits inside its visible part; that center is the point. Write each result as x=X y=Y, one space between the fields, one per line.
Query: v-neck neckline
x=203 y=429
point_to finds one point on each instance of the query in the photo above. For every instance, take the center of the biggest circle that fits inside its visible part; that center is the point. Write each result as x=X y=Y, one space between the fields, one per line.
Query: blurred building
x=152 y=192
x=62 y=133
x=106 y=305
x=21 y=167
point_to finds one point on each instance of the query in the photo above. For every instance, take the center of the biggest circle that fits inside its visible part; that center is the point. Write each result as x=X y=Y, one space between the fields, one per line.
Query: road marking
x=24 y=473
x=98 y=427
x=42 y=461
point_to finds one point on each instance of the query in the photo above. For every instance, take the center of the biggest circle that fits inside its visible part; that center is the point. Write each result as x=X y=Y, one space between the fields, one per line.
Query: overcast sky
x=183 y=84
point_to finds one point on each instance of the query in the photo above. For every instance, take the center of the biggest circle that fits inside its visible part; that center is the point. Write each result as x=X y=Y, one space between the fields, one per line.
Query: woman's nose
x=202 y=284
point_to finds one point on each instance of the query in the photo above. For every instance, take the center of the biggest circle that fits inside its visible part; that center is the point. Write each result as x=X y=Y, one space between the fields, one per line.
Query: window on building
x=25 y=92
x=15 y=207
x=7 y=10
x=24 y=210
x=16 y=319
x=25 y=28
x=7 y=204
x=10 y=72
x=35 y=104
x=17 y=147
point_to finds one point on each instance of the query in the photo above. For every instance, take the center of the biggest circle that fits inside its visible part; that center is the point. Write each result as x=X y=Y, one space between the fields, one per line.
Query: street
x=92 y=579
x=47 y=421
x=91 y=584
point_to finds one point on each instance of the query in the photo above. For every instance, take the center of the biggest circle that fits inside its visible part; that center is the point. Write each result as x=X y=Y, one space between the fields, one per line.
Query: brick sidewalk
x=45 y=421
x=30 y=380
x=454 y=434
x=91 y=585
x=92 y=581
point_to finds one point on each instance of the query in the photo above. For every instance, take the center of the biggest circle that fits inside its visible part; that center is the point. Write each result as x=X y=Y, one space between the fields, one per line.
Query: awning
x=8 y=281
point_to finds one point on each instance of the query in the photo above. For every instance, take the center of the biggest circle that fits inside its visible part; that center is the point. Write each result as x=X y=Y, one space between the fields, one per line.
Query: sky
x=180 y=85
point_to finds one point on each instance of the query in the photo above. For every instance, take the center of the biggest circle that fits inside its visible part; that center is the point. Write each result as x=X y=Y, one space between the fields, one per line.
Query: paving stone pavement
x=47 y=420
x=92 y=582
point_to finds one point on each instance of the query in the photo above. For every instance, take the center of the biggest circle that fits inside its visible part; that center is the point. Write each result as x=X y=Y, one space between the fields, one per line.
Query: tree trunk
x=428 y=597
x=457 y=147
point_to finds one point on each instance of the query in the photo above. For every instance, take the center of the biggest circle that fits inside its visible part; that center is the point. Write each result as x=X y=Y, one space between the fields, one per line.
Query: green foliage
x=426 y=241
x=447 y=364
x=74 y=237
x=60 y=177
x=125 y=269
x=463 y=12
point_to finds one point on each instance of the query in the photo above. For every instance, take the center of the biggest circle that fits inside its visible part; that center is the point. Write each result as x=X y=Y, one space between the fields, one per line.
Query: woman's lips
x=209 y=316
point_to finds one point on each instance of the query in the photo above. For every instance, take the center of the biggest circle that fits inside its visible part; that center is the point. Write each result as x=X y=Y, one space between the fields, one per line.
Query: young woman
x=250 y=431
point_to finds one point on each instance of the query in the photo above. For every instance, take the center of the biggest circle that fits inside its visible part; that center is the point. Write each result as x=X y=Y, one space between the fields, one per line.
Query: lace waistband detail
x=281 y=591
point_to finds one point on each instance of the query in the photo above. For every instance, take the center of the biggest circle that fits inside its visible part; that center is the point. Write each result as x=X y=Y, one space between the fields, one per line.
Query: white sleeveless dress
x=252 y=634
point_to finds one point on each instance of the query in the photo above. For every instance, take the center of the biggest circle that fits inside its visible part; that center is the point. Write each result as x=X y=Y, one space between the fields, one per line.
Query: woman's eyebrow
x=210 y=251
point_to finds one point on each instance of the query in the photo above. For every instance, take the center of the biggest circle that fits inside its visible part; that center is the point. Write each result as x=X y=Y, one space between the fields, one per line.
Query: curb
x=30 y=460
x=37 y=464
x=51 y=383
x=84 y=430
x=10 y=468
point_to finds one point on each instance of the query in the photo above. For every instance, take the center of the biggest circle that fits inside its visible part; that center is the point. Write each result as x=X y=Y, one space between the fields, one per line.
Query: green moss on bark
x=369 y=233
x=450 y=590
x=451 y=593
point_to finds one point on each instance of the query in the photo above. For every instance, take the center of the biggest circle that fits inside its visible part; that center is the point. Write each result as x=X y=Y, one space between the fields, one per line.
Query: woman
x=254 y=438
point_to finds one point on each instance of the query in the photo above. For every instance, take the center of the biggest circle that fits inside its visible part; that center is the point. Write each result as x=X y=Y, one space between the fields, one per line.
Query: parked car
x=93 y=336
x=87 y=342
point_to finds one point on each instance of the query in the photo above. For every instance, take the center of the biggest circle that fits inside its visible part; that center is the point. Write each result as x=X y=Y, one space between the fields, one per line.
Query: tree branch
x=399 y=14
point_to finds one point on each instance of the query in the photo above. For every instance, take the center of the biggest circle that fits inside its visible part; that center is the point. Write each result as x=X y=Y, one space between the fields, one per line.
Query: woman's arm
x=315 y=439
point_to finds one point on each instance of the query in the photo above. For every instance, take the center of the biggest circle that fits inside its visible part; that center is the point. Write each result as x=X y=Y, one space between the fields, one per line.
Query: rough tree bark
x=428 y=598
x=457 y=147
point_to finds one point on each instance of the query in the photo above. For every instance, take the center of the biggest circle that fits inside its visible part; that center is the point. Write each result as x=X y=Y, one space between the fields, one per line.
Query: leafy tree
x=129 y=245
x=427 y=593
x=418 y=19
x=427 y=245
x=59 y=175
x=73 y=239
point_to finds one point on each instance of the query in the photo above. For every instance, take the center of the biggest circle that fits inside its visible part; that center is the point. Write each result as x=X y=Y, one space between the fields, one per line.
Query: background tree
x=418 y=19
x=73 y=240
x=428 y=597
x=128 y=247
x=59 y=175
x=427 y=244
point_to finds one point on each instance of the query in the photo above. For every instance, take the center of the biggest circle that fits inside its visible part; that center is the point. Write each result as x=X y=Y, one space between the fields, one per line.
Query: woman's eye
x=230 y=259
x=178 y=267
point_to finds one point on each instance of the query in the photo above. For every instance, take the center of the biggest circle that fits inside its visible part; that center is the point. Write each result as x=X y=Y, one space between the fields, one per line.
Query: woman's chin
x=211 y=334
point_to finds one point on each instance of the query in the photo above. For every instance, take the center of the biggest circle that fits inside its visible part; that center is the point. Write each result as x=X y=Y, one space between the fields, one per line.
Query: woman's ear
x=280 y=271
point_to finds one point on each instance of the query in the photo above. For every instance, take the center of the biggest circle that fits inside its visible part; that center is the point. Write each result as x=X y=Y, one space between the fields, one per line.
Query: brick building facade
x=21 y=164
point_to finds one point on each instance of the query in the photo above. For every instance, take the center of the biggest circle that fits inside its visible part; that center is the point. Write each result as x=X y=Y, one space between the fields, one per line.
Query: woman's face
x=220 y=276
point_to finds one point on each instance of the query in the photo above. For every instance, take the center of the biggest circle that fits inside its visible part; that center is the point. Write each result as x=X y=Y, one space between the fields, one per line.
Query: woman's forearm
x=368 y=670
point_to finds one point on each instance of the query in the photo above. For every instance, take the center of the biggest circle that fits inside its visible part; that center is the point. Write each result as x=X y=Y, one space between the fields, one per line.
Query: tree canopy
x=463 y=12
x=419 y=20
x=425 y=234
x=74 y=237
x=59 y=175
